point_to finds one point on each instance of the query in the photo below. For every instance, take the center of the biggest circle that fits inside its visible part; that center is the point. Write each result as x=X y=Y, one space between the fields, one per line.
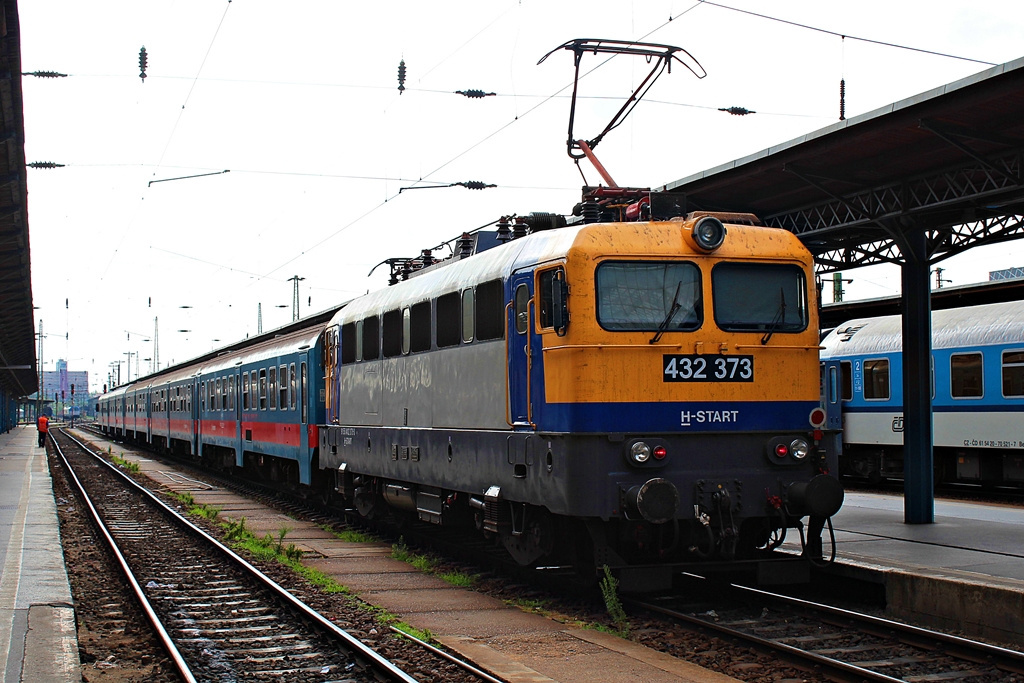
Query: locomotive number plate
x=696 y=368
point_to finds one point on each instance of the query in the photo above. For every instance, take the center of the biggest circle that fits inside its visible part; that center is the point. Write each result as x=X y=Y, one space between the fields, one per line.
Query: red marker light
x=660 y=452
x=781 y=450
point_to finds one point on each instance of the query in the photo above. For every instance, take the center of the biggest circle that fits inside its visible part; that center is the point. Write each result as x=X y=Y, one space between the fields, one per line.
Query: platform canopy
x=17 y=331
x=947 y=160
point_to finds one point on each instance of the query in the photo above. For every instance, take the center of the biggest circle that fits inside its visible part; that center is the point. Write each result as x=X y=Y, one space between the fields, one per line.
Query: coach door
x=519 y=343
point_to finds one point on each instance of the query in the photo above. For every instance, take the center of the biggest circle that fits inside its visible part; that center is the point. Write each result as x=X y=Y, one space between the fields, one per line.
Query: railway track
x=842 y=644
x=218 y=617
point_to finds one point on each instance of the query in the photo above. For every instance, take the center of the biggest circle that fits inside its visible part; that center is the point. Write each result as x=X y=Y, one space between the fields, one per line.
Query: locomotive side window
x=1013 y=373
x=405 y=330
x=263 y=389
x=468 y=310
x=648 y=296
x=965 y=375
x=419 y=327
x=391 y=343
x=370 y=338
x=448 y=320
x=876 y=379
x=846 y=369
x=759 y=297
x=521 y=308
x=490 y=311
x=348 y=343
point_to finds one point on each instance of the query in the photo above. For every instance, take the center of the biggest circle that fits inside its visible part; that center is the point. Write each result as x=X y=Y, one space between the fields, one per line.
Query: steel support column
x=918 y=482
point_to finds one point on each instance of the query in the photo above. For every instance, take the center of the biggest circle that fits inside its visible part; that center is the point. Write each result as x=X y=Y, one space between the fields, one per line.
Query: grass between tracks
x=429 y=565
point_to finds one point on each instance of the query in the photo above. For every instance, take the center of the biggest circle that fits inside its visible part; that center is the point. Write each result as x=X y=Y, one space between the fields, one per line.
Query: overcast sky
x=299 y=101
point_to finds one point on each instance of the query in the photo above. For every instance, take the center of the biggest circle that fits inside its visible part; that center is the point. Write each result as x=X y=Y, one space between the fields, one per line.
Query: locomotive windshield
x=648 y=296
x=762 y=297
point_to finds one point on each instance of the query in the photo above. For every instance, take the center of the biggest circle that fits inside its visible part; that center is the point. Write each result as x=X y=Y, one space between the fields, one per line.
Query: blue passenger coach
x=977 y=383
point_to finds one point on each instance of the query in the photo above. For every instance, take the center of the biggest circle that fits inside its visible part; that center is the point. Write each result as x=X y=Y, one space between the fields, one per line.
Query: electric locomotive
x=641 y=394
x=632 y=394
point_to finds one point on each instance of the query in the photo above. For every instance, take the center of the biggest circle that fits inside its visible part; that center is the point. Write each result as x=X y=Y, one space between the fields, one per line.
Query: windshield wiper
x=780 y=317
x=668 y=318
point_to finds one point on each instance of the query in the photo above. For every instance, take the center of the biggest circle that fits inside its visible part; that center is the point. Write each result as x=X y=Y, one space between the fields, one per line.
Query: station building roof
x=17 y=329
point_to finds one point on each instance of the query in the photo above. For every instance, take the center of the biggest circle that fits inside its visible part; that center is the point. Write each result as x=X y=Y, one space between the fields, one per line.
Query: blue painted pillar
x=918 y=469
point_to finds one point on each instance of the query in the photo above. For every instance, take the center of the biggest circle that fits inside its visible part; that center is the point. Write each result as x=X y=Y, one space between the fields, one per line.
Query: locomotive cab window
x=1013 y=373
x=965 y=375
x=876 y=379
x=648 y=296
x=760 y=297
x=551 y=300
x=522 y=307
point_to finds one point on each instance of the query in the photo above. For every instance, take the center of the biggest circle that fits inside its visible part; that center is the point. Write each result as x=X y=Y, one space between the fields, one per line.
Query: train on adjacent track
x=640 y=394
x=977 y=380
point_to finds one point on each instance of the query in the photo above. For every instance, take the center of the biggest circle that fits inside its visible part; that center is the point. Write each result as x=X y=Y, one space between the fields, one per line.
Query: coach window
x=302 y=391
x=231 y=393
x=202 y=396
x=291 y=386
x=245 y=391
x=282 y=384
x=391 y=343
x=468 y=310
x=263 y=388
x=348 y=343
x=1013 y=373
x=419 y=327
x=876 y=379
x=965 y=375
x=846 y=372
x=272 y=387
x=490 y=311
x=448 y=320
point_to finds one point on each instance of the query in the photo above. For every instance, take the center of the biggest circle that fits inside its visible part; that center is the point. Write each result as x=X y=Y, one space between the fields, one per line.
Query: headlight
x=709 y=233
x=640 y=452
x=799 y=449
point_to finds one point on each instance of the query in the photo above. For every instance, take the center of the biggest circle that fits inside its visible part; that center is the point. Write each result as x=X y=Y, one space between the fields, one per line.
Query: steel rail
x=964 y=648
x=831 y=667
x=165 y=639
x=359 y=650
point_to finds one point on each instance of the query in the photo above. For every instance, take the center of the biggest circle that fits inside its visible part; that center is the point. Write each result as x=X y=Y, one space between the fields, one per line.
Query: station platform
x=965 y=571
x=38 y=639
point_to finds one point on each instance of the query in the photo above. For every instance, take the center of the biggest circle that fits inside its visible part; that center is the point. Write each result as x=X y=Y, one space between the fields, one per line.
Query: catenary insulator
x=401 y=77
x=143 y=62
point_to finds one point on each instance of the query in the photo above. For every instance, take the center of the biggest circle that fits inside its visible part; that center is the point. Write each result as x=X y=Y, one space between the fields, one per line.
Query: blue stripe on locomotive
x=681 y=418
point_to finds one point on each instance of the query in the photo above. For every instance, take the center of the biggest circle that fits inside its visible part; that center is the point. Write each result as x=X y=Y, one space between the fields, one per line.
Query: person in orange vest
x=42 y=424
